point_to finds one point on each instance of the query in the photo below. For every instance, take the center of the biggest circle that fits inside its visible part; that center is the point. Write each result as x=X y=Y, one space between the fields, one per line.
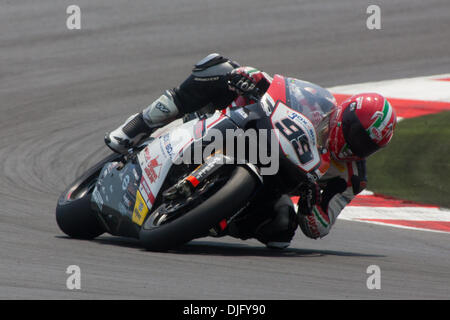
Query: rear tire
x=74 y=214
x=232 y=196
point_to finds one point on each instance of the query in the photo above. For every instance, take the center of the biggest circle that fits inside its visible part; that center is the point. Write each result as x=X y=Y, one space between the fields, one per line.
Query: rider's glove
x=248 y=82
x=310 y=195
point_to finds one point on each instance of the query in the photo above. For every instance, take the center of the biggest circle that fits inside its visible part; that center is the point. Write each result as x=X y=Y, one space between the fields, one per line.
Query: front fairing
x=315 y=103
x=299 y=113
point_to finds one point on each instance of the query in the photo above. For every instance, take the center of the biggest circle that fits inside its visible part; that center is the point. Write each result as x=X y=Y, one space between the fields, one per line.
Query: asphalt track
x=61 y=90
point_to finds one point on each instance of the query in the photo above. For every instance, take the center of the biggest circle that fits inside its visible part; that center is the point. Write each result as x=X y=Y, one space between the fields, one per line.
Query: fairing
x=301 y=112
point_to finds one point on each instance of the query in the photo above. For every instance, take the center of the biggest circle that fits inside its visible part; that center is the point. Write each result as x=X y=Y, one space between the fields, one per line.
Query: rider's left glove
x=310 y=195
x=248 y=82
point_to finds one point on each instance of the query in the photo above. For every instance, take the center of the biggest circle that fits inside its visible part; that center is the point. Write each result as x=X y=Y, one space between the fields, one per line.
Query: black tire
x=74 y=214
x=232 y=196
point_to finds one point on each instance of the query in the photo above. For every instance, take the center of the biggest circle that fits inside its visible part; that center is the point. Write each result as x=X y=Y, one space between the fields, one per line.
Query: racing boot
x=273 y=227
x=140 y=125
x=277 y=232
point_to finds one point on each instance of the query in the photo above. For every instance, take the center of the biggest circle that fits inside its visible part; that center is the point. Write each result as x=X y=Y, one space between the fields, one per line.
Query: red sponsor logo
x=147 y=154
x=151 y=170
x=199 y=129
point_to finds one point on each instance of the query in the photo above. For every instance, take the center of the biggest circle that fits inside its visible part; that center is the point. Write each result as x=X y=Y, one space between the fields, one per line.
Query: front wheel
x=226 y=201
x=74 y=214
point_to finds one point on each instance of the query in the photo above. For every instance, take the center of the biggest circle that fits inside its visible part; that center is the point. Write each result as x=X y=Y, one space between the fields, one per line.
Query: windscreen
x=314 y=102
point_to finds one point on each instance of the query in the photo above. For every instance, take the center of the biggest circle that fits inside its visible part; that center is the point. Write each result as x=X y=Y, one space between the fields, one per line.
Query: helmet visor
x=356 y=136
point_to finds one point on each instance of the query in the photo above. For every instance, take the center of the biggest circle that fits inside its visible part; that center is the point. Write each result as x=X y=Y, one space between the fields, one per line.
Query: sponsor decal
x=147 y=154
x=167 y=145
x=96 y=196
x=125 y=182
x=201 y=172
x=296 y=135
x=140 y=210
x=152 y=168
x=108 y=169
x=126 y=201
x=132 y=189
x=360 y=101
x=242 y=113
x=145 y=187
x=161 y=107
x=136 y=175
x=122 y=209
x=145 y=191
x=300 y=118
x=206 y=79
x=338 y=165
x=199 y=129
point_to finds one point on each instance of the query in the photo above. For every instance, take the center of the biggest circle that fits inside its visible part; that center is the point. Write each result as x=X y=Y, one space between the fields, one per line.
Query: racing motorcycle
x=148 y=195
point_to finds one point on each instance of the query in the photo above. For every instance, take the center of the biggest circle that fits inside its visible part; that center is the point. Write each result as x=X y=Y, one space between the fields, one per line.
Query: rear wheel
x=74 y=214
x=161 y=231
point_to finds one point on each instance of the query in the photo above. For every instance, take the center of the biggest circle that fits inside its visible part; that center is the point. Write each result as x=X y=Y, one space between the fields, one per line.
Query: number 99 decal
x=296 y=136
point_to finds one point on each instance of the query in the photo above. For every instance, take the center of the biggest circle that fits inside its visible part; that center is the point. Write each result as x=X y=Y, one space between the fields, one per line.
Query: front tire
x=74 y=214
x=231 y=197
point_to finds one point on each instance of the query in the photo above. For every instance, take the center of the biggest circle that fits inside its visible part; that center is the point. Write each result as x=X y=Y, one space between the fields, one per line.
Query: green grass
x=416 y=164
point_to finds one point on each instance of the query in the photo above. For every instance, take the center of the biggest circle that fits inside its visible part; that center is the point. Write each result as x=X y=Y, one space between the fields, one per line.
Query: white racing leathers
x=347 y=176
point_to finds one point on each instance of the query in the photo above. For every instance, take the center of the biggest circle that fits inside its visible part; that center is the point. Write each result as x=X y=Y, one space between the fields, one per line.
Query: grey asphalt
x=61 y=90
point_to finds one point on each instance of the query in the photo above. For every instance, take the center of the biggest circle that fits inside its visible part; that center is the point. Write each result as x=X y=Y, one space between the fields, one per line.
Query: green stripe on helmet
x=385 y=112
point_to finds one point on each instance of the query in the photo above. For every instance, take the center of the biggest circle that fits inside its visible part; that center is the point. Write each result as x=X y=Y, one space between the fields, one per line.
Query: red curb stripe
x=430 y=225
x=442 y=79
x=377 y=200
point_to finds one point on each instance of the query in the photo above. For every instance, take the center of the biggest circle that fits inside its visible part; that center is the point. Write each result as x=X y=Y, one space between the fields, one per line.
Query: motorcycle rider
x=360 y=126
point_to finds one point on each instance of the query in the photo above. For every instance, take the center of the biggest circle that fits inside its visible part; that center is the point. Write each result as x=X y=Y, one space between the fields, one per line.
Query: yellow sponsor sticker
x=140 y=210
x=338 y=165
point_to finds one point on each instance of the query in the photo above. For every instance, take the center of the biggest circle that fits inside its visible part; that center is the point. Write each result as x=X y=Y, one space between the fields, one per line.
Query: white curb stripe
x=420 y=88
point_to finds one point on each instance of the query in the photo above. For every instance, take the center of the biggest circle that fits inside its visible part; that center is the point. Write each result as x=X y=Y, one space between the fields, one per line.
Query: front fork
x=186 y=186
x=214 y=163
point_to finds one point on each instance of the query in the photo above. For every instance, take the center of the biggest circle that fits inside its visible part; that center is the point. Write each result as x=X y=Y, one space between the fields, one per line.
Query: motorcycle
x=148 y=195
